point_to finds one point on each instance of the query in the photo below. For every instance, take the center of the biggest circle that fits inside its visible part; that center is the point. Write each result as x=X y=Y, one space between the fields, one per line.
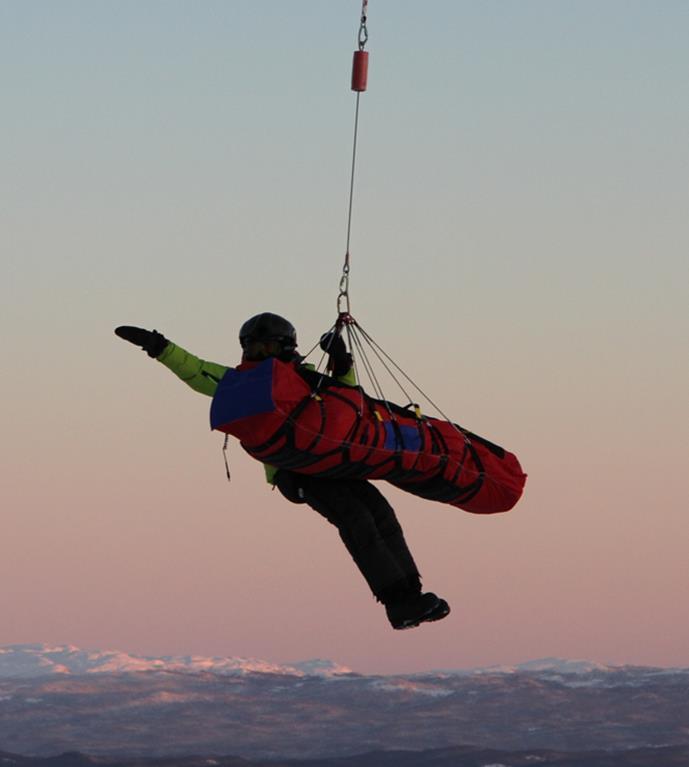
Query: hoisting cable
x=368 y=367
x=382 y=356
x=380 y=351
x=357 y=338
x=356 y=335
x=359 y=80
x=358 y=85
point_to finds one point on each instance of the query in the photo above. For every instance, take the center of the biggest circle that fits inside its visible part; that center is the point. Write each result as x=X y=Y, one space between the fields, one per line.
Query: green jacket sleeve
x=202 y=376
x=349 y=378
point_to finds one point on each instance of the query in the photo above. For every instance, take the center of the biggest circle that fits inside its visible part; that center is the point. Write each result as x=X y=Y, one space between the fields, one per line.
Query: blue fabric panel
x=410 y=437
x=243 y=393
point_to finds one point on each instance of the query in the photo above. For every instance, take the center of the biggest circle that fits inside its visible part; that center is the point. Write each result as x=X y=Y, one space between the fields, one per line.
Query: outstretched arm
x=200 y=375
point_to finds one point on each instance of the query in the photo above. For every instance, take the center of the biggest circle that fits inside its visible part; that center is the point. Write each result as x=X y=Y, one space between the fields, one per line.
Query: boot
x=440 y=612
x=410 y=611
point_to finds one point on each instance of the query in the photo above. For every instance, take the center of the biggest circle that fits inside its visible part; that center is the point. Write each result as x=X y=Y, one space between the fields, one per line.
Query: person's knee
x=381 y=511
x=291 y=485
x=369 y=493
x=360 y=528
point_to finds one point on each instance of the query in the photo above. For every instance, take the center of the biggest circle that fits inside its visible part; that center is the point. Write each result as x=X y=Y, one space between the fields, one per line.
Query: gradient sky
x=520 y=246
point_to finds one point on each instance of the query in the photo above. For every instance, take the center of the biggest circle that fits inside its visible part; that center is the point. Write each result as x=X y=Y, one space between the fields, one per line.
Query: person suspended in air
x=367 y=524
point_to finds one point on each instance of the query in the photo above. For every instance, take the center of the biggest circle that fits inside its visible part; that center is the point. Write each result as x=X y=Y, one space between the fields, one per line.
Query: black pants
x=367 y=525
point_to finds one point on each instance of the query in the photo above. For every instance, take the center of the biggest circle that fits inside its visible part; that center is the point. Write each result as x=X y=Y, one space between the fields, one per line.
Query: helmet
x=268 y=335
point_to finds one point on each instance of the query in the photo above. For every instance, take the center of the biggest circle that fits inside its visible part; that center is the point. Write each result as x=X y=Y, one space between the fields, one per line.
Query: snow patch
x=319 y=667
x=416 y=688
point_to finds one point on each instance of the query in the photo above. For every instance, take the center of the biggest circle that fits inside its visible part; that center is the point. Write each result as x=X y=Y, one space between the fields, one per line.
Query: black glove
x=151 y=341
x=340 y=358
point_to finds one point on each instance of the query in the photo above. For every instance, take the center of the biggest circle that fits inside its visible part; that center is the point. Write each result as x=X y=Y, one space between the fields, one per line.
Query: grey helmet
x=268 y=335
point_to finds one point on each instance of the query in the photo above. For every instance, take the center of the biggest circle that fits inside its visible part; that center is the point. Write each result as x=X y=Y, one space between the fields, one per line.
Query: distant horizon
x=331 y=666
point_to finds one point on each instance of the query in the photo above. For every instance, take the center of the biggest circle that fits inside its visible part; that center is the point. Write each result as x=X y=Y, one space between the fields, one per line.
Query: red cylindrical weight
x=359 y=70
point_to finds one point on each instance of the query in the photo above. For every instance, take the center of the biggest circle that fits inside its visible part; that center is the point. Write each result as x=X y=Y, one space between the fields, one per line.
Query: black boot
x=440 y=612
x=410 y=611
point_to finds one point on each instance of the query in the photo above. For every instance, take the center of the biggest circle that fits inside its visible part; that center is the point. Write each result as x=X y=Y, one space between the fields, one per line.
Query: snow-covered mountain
x=554 y=665
x=54 y=699
x=36 y=660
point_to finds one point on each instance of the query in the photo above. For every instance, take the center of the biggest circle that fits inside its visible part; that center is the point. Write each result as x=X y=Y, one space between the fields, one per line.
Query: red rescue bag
x=338 y=431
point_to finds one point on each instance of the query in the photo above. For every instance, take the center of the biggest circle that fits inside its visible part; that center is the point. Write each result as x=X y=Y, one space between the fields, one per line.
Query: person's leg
x=337 y=501
x=407 y=606
x=368 y=527
x=390 y=530
x=366 y=538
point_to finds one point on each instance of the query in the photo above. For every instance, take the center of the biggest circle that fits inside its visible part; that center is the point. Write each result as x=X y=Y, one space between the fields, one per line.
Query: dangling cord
x=224 y=455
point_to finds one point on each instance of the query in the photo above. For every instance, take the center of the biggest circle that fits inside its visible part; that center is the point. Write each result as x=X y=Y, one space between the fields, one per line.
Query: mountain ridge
x=33 y=660
x=36 y=659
